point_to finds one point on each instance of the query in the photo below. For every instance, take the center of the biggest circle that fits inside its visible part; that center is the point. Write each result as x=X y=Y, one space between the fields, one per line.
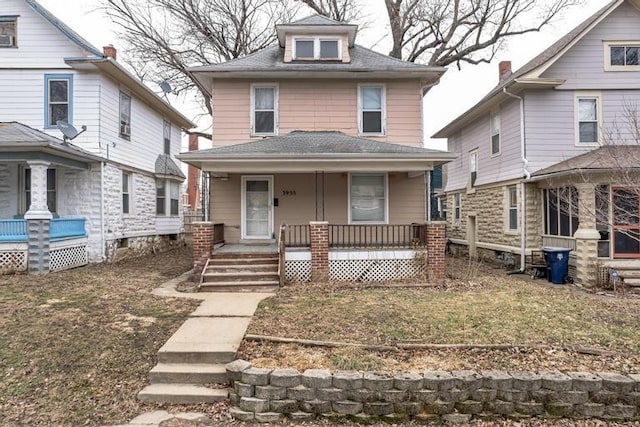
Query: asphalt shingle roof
x=606 y=157
x=305 y=143
x=166 y=166
x=272 y=59
x=316 y=20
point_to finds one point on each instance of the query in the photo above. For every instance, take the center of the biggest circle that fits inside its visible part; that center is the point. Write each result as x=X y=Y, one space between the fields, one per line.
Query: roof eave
x=112 y=68
x=430 y=74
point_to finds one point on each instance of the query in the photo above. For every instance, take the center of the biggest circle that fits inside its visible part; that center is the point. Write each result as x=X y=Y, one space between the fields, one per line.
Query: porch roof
x=305 y=151
x=21 y=142
x=607 y=158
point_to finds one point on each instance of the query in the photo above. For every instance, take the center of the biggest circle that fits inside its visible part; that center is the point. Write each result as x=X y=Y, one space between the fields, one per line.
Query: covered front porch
x=45 y=201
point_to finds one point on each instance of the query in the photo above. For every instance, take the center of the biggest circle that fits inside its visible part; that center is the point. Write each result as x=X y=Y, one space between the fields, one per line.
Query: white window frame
x=587 y=96
x=11 y=38
x=124 y=130
x=166 y=135
x=457 y=209
x=383 y=117
x=170 y=199
x=316 y=48
x=495 y=132
x=164 y=197
x=129 y=176
x=508 y=207
x=473 y=168
x=276 y=96
x=619 y=43
x=386 y=198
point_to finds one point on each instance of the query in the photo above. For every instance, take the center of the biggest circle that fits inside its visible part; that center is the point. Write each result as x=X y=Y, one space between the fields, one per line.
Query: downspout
x=103 y=243
x=527 y=176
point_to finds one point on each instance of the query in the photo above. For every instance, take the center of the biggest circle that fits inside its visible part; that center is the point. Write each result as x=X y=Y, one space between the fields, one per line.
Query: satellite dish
x=68 y=130
x=165 y=86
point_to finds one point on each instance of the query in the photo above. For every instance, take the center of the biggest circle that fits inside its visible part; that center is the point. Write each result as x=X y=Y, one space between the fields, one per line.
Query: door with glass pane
x=626 y=223
x=257 y=209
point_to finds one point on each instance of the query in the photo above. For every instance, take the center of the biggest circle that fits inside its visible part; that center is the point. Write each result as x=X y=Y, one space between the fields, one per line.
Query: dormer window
x=8 y=31
x=317 y=48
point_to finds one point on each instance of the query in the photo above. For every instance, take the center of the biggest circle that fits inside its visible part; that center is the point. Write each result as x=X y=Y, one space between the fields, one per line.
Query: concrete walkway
x=196 y=353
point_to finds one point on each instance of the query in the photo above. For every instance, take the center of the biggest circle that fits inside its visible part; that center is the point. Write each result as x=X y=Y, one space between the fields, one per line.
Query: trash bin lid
x=556 y=249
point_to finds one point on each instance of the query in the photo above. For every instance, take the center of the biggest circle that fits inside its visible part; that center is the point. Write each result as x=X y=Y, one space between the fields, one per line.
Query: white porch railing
x=559 y=242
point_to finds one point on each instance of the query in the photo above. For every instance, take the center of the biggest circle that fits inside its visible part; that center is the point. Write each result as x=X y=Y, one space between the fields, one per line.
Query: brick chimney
x=504 y=69
x=109 y=51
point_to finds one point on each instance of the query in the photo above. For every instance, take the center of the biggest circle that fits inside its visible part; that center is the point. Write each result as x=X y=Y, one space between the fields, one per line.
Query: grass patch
x=77 y=346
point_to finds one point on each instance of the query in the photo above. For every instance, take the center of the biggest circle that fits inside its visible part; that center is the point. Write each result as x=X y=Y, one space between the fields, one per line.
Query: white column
x=38 y=208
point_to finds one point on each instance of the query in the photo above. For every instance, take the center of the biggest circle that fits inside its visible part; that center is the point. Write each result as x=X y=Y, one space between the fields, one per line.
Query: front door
x=257 y=207
x=626 y=223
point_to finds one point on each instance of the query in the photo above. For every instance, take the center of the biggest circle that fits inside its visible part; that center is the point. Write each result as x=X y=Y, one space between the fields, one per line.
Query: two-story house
x=547 y=158
x=318 y=129
x=114 y=187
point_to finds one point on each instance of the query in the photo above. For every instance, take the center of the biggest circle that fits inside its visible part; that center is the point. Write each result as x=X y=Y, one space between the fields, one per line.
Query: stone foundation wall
x=267 y=395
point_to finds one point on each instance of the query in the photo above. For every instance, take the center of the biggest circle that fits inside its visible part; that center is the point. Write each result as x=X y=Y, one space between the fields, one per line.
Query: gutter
x=527 y=176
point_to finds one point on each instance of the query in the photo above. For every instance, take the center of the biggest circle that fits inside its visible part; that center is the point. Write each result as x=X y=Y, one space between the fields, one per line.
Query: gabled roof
x=64 y=29
x=166 y=167
x=16 y=137
x=606 y=158
x=321 y=150
x=529 y=74
x=96 y=59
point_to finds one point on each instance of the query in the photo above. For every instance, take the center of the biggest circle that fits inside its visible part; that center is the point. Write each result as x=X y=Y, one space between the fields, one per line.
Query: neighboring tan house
x=115 y=186
x=546 y=157
x=319 y=129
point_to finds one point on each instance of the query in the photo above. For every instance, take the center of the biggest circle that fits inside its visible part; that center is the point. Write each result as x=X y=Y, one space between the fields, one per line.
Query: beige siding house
x=317 y=128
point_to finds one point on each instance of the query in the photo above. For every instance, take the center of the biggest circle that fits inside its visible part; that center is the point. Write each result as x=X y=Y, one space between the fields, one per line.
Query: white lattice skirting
x=13 y=260
x=358 y=266
x=65 y=255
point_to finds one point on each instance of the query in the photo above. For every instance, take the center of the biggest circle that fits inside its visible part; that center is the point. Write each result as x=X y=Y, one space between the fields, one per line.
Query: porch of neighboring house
x=47 y=195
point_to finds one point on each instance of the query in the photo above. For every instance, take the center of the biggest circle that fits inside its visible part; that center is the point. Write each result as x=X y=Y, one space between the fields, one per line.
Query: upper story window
x=473 y=167
x=622 y=56
x=8 y=27
x=317 y=48
x=125 y=115
x=495 y=134
x=587 y=119
x=371 y=109
x=264 y=109
x=57 y=98
x=166 y=132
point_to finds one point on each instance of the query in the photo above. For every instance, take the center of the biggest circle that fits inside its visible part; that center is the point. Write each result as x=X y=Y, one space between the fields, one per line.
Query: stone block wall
x=267 y=395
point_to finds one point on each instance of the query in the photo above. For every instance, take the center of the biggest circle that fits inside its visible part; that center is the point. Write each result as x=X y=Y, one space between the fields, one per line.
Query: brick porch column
x=586 y=235
x=436 y=247
x=319 y=233
x=202 y=246
x=38 y=220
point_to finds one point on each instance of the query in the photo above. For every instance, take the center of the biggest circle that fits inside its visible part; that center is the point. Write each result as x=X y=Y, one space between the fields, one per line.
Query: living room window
x=161 y=197
x=174 y=198
x=457 y=199
x=560 y=211
x=495 y=134
x=8 y=31
x=372 y=109
x=368 y=195
x=57 y=98
x=587 y=119
x=317 y=48
x=125 y=116
x=264 y=110
x=622 y=56
x=512 y=207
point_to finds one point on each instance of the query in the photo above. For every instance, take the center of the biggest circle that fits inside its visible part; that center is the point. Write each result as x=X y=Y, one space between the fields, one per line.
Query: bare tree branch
x=338 y=10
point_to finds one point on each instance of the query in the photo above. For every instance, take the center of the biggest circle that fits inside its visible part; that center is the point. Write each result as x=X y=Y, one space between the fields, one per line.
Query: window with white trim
x=264 y=109
x=368 y=198
x=372 y=109
x=126 y=192
x=8 y=31
x=587 y=121
x=495 y=134
x=174 y=198
x=161 y=197
x=317 y=48
x=166 y=134
x=512 y=207
x=622 y=56
x=560 y=211
x=457 y=198
x=473 y=167
x=57 y=98
x=125 y=116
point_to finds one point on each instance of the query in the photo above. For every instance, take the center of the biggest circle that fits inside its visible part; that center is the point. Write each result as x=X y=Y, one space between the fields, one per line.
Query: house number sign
x=288 y=192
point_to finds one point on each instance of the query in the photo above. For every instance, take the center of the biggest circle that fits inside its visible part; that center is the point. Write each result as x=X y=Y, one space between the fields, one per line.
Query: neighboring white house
x=115 y=186
x=547 y=159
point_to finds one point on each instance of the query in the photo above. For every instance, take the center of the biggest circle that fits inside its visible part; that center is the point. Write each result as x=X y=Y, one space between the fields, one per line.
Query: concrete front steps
x=241 y=272
x=629 y=270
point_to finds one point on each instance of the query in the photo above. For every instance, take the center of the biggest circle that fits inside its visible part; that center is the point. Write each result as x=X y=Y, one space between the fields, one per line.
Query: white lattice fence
x=374 y=270
x=68 y=257
x=13 y=261
x=297 y=271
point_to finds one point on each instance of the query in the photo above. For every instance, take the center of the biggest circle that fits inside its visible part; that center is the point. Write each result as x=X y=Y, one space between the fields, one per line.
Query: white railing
x=559 y=242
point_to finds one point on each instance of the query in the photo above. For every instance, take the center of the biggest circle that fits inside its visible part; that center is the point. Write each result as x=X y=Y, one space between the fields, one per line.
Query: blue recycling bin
x=557 y=264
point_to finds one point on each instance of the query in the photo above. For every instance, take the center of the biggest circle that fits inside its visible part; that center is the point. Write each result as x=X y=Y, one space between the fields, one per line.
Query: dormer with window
x=316 y=38
x=8 y=31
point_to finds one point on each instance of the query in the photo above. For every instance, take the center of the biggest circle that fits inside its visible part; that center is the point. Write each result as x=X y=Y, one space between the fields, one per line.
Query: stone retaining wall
x=267 y=395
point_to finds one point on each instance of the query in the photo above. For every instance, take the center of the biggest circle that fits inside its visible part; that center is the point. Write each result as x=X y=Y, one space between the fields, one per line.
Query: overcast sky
x=457 y=91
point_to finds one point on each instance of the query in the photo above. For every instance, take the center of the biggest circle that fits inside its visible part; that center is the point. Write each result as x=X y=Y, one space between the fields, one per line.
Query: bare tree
x=339 y=10
x=165 y=37
x=444 y=32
